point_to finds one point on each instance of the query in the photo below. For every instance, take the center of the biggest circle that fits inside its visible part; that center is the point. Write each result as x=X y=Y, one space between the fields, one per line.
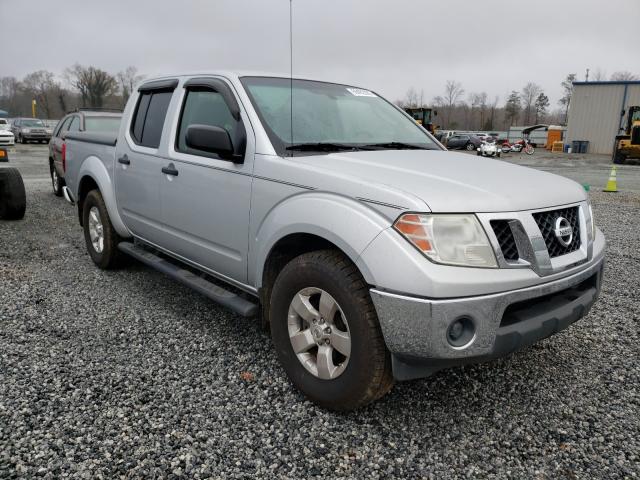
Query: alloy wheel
x=96 y=230
x=319 y=333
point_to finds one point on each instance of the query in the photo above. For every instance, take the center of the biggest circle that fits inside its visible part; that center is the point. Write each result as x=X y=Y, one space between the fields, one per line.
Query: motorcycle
x=488 y=148
x=521 y=145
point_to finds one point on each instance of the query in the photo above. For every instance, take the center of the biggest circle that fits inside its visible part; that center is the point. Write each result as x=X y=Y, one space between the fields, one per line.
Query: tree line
x=476 y=111
x=80 y=86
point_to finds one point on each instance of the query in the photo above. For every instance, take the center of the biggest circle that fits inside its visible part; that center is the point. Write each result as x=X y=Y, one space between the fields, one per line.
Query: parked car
x=83 y=120
x=6 y=136
x=443 y=135
x=463 y=141
x=30 y=130
x=376 y=254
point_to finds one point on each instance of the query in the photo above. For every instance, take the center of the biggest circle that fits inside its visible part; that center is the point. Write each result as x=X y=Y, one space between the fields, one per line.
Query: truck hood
x=453 y=182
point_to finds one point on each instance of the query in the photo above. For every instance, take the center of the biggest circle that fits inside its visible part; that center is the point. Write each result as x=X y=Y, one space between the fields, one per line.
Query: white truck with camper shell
x=371 y=252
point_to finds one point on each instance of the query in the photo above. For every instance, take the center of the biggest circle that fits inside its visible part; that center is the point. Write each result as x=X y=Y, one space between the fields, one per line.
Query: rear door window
x=149 y=118
x=74 y=126
x=64 y=126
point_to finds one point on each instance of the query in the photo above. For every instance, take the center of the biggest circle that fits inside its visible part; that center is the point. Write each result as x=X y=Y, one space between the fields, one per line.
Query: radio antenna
x=291 y=66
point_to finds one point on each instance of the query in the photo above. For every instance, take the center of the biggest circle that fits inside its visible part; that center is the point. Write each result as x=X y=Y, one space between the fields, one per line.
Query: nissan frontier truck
x=371 y=252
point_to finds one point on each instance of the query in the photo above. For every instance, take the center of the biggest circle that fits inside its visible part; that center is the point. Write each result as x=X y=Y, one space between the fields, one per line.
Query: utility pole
x=587 y=76
x=33 y=108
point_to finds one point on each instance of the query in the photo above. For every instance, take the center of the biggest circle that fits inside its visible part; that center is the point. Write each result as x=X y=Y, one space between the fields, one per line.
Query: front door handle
x=124 y=160
x=170 y=170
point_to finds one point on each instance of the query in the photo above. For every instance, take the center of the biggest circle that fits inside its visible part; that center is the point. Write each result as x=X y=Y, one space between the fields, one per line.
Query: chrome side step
x=210 y=290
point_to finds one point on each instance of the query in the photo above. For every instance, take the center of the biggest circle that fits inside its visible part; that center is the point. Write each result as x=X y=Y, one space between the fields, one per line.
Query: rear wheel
x=13 y=199
x=99 y=234
x=470 y=147
x=56 y=182
x=326 y=332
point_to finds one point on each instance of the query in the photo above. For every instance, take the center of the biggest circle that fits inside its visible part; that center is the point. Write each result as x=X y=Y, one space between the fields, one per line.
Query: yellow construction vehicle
x=423 y=116
x=628 y=144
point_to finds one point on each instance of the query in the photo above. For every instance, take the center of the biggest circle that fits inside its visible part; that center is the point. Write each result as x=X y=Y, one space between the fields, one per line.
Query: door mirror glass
x=210 y=139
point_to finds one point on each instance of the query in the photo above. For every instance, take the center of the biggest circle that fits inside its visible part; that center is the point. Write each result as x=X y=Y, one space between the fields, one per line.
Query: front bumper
x=36 y=136
x=416 y=329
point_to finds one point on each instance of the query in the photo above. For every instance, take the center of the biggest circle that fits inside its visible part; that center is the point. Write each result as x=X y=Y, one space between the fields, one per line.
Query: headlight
x=448 y=239
x=26 y=130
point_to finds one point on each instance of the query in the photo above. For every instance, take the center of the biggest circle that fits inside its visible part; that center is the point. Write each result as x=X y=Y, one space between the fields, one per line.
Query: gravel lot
x=128 y=374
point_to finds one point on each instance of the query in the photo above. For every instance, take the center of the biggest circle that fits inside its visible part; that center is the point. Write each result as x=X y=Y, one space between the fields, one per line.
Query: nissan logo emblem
x=563 y=231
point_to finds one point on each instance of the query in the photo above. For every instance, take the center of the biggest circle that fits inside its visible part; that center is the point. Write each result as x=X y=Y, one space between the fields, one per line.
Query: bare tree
x=624 y=76
x=529 y=94
x=599 y=75
x=453 y=91
x=93 y=84
x=41 y=86
x=9 y=90
x=512 y=107
x=567 y=86
x=492 y=114
x=411 y=98
x=127 y=80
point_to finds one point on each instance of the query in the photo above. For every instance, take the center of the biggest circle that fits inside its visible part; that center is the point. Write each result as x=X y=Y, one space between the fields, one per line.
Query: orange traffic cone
x=612 y=184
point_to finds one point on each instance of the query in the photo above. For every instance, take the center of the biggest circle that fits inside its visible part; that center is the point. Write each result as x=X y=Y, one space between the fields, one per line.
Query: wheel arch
x=94 y=175
x=287 y=231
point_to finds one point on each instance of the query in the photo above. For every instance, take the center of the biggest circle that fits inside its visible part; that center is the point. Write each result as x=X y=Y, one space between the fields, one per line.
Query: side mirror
x=213 y=140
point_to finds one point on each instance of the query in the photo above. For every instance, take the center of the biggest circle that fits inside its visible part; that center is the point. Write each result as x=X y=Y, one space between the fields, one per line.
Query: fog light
x=460 y=332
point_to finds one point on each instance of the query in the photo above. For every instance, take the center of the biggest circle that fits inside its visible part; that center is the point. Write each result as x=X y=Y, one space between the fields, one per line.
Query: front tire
x=326 y=332
x=100 y=237
x=619 y=158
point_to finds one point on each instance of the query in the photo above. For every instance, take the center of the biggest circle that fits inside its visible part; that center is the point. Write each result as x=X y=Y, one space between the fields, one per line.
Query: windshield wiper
x=397 y=146
x=322 y=147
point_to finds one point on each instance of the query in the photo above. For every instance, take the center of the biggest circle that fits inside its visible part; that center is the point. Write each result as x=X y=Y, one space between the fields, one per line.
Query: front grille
x=507 y=242
x=546 y=222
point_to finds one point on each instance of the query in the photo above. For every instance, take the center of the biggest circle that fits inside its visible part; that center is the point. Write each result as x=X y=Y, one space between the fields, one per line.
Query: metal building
x=596 y=112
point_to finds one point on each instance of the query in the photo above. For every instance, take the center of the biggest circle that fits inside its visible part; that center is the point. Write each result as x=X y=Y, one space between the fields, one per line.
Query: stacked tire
x=13 y=200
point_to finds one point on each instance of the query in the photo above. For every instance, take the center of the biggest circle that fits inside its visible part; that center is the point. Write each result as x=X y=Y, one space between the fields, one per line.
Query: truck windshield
x=328 y=117
x=102 y=124
x=31 y=123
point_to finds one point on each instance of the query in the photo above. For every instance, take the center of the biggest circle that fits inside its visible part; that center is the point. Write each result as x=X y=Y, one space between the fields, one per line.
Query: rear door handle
x=124 y=160
x=170 y=170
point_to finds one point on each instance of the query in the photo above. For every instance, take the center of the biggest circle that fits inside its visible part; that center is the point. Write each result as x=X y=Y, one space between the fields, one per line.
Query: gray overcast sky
x=388 y=46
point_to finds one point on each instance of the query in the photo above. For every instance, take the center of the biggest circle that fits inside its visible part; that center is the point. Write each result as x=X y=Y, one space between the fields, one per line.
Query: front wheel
x=326 y=332
x=529 y=150
x=618 y=157
x=100 y=237
x=470 y=147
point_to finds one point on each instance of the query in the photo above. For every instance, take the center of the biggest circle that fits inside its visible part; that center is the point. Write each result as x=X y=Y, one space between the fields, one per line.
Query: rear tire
x=99 y=234
x=359 y=378
x=470 y=147
x=56 y=182
x=13 y=198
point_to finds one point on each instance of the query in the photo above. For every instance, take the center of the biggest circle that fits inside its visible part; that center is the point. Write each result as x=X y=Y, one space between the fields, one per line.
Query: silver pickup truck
x=371 y=252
